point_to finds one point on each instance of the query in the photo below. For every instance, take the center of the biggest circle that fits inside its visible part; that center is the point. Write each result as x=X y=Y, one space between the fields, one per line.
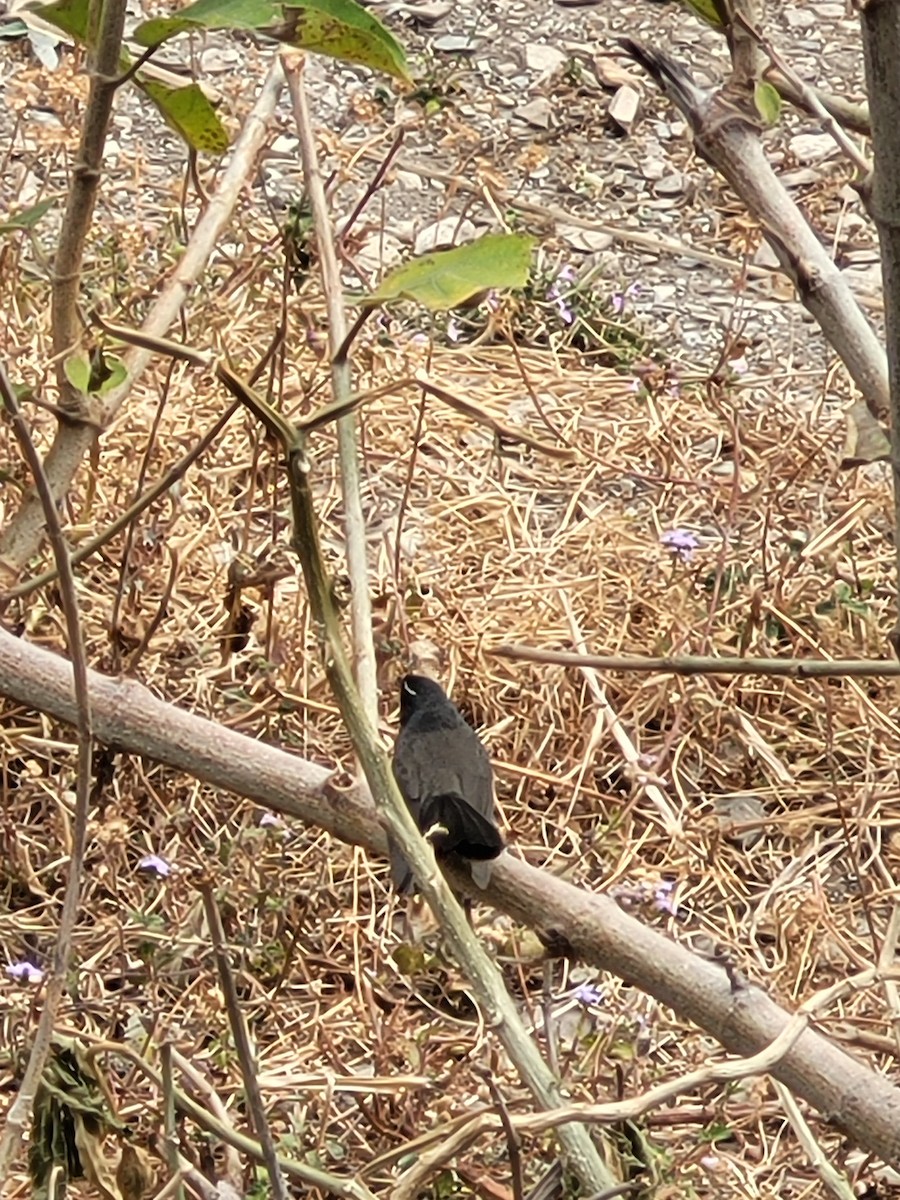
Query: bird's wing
x=480 y=781
x=406 y=769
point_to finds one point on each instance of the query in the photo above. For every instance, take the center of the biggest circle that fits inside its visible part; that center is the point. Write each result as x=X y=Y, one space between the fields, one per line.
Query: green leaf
x=28 y=217
x=449 y=278
x=71 y=16
x=343 y=29
x=709 y=11
x=209 y=14
x=768 y=102
x=188 y=111
x=78 y=372
x=115 y=373
x=339 y=28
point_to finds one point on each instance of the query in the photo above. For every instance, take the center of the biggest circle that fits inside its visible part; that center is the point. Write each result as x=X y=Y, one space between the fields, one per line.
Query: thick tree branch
x=862 y=1102
x=21 y=538
x=727 y=138
x=881 y=45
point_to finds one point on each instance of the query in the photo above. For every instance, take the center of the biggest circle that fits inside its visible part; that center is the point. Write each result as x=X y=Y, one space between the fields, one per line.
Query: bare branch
x=791 y=668
x=20 y=1111
x=22 y=536
x=728 y=139
x=591 y=926
x=342 y=388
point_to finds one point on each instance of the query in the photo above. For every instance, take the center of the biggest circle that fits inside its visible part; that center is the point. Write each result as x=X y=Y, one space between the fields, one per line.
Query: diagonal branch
x=481 y=970
x=744 y=1020
x=21 y=1109
x=729 y=140
x=342 y=389
x=22 y=536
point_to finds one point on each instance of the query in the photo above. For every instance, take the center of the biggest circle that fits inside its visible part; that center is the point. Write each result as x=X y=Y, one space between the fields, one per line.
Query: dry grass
x=496 y=546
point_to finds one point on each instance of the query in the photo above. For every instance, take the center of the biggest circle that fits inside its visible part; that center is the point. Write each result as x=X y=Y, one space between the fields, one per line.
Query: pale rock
x=379 y=252
x=801 y=177
x=799 y=18
x=284 y=144
x=670 y=185
x=537 y=112
x=578 y=238
x=623 y=108
x=454 y=43
x=811 y=147
x=449 y=231
x=428 y=14
x=543 y=58
x=765 y=256
x=612 y=74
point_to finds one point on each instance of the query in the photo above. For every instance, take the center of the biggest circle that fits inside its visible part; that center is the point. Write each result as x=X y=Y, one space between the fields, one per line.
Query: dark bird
x=444 y=775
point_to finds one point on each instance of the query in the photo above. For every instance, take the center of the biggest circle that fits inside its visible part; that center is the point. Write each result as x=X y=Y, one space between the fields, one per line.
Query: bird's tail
x=462 y=829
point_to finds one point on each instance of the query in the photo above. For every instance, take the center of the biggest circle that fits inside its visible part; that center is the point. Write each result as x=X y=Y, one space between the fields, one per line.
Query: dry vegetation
x=497 y=546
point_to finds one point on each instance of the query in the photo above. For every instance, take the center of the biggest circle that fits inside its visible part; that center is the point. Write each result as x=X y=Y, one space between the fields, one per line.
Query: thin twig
x=124 y=519
x=21 y=537
x=351 y=1189
x=809 y=98
x=484 y=977
x=106 y=23
x=20 y=1110
x=836 y=1183
x=246 y=1057
x=171 y=1152
x=791 y=668
x=449 y=1143
x=342 y=388
x=513 y=1141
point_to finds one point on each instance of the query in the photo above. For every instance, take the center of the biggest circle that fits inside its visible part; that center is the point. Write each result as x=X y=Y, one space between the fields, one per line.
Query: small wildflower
x=25 y=972
x=588 y=994
x=153 y=862
x=681 y=542
x=270 y=821
x=618 y=301
x=454 y=331
x=739 y=366
x=492 y=301
x=662 y=897
x=566 y=315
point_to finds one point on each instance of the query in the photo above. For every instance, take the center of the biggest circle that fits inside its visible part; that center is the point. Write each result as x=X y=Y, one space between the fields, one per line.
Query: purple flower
x=563 y=281
x=662 y=897
x=153 y=862
x=270 y=821
x=454 y=332
x=681 y=542
x=565 y=313
x=588 y=994
x=618 y=301
x=25 y=972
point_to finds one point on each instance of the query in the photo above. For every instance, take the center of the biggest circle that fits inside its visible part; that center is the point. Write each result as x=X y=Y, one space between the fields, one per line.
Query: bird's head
x=416 y=692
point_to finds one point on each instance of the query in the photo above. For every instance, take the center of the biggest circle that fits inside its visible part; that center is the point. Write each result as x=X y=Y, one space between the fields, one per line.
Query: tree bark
x=860 y=1101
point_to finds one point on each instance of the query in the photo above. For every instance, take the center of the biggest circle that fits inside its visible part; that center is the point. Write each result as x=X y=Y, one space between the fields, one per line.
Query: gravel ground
x=517 y=98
